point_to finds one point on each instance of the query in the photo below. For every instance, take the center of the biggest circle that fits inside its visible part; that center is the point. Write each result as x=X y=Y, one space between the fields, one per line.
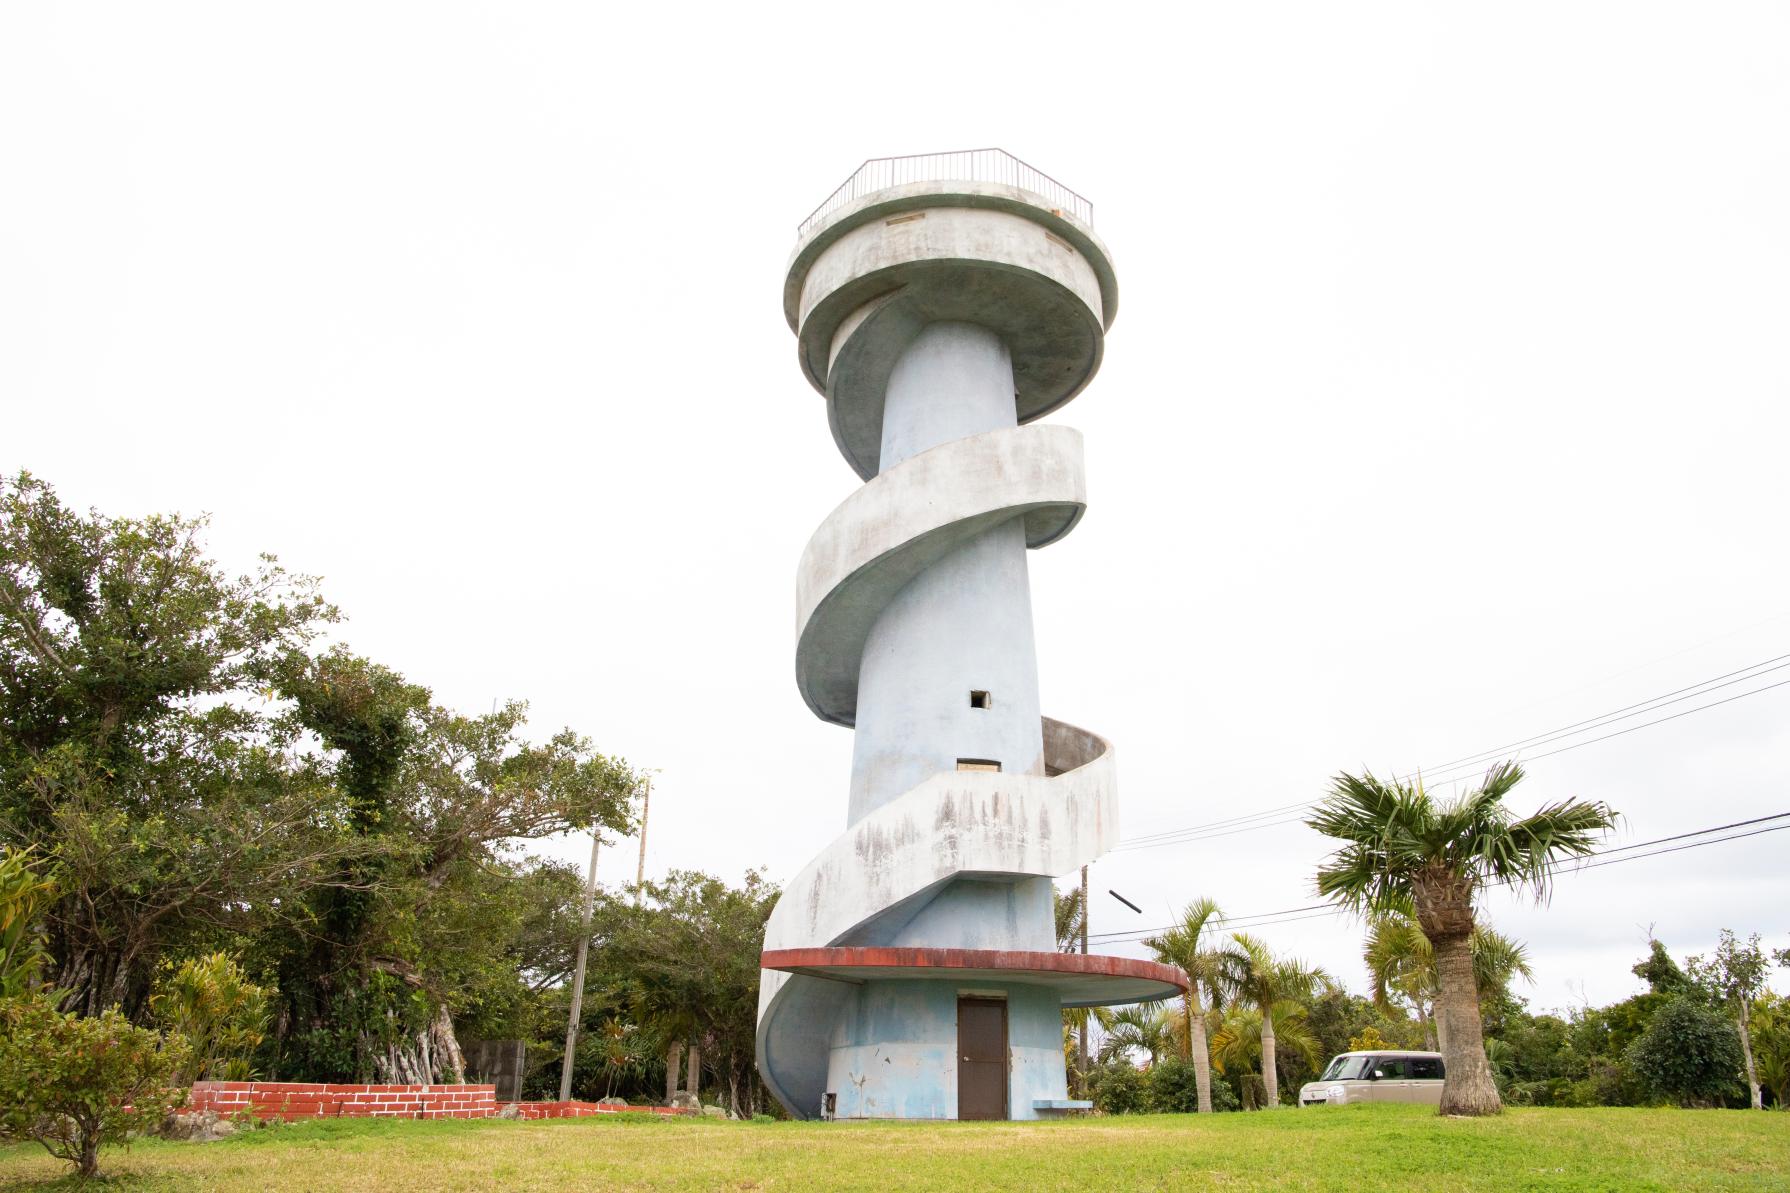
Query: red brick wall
x=295 y=1099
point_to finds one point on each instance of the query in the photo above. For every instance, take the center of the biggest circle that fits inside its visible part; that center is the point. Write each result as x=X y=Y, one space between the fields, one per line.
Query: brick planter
x=288 y=1100
x=298 y=1099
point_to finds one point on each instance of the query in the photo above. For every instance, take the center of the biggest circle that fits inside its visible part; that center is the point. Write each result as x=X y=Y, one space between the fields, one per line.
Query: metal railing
x=964 y=165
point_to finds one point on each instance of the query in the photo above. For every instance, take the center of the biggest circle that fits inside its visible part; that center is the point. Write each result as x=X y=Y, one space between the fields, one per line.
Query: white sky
x=1445 y=405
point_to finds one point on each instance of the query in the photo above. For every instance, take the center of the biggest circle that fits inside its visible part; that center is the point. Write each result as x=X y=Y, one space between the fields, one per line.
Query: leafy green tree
x=688 y=958
x=73 y=1083
x=1403 y=849
x=1186 y=945
x=210 y=1003
x=1254 y=976
x=1660 y=972
x=25 y=894
x=1689 y=1054
x=1733 y=976
x=435 y=801
x=131 y=747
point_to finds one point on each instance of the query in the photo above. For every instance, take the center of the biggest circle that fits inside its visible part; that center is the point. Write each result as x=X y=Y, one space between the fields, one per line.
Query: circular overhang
x=1080 y=980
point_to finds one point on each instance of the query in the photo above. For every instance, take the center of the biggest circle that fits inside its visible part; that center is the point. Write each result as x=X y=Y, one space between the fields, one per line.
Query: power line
x=1261 y=820
x=1657 y=701
x=1314 y=911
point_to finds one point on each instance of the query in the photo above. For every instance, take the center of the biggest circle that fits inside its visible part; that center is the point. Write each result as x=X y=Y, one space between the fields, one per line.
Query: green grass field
x=1356 y=1148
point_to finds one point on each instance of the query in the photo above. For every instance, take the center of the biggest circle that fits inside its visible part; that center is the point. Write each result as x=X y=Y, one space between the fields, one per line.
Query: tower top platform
x=909 y=241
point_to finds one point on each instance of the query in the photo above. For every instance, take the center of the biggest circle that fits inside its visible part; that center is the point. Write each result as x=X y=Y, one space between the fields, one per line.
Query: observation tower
x=942 y=303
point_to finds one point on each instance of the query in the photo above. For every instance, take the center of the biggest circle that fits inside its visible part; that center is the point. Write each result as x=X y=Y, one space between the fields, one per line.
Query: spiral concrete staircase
x=941 y=304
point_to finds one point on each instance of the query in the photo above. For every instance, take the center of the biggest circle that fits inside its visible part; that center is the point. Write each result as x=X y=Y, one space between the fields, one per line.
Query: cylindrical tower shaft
x=949 y=677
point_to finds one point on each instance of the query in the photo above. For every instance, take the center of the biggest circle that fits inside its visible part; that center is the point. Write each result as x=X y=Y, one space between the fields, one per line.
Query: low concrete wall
x=289 y=1100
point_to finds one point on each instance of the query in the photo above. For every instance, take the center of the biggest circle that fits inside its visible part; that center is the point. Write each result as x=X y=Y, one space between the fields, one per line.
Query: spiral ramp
x=941 y=889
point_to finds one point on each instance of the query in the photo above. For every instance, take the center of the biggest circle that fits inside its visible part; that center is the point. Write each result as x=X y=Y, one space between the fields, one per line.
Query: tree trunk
x=1202 y=1054
x=1468 y=1087
x=1746 y=1050
x=1427 y=1024
x=1270 y=1074
x=674 y=1060
x=695 y=1072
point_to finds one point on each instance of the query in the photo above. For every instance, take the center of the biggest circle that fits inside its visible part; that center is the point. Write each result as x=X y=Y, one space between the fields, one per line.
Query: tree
x=434 y=801
x=73 y=1083
x=1771 y=1045
x=1238 y=1044
x=1142 y=1026
x=1184 y=945
x=131 y=748
x=1733 y=977
x=1689 y=1054
x=687 y=962
x=1254 y=976
x=1403 y=849
x=1401 y=961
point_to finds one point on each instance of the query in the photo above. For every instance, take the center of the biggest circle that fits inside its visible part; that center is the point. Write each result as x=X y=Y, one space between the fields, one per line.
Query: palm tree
x=1139 y=1026
x=1400 y=961
x=1237 y=1037
x=1403 y=849
x=1182 y=946
x=1257 y=978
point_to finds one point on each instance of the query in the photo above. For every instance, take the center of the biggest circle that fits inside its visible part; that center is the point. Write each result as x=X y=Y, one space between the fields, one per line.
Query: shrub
x=1690 y=1054
x=1116 y=1089
x=222 y=1015
x=1169 y=1087
x=24 y=897
x=72 y=1083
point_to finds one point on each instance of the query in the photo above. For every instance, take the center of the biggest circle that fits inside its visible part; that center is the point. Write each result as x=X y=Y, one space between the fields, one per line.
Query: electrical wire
x=1261 y=820
x=1572 y=866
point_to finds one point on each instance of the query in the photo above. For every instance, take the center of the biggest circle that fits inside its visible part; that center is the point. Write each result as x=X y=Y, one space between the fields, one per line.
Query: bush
x=24 y=897
x=1171 y=1087
x=1116 y=1088
x=1689 y=1054
x=210 y=1002
x=72 y=1083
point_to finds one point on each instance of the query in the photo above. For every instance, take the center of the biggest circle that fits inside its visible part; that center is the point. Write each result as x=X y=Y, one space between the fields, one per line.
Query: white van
x=1385 y=1075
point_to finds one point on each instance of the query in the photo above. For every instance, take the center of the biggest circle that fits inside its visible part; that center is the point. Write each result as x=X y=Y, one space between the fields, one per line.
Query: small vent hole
x=981 y=700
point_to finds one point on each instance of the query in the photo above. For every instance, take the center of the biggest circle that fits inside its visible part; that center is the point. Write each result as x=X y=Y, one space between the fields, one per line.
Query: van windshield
x=1346 y=1068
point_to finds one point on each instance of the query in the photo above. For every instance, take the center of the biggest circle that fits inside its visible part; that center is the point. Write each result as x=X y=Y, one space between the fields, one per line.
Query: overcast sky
x=1446 y=403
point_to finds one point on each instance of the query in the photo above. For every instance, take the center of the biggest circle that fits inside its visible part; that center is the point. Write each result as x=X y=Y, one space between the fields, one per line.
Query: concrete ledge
x=1079 y=979
x=897 y=525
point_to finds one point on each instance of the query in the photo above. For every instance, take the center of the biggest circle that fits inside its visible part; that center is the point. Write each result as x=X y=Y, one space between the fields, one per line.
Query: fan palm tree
x=1401 y=848
x=1184 y=946
x=1401 y=961
x=1255 y=977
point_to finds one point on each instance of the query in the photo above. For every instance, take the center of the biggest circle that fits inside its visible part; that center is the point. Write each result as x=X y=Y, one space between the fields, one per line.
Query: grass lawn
x=1357 y=1148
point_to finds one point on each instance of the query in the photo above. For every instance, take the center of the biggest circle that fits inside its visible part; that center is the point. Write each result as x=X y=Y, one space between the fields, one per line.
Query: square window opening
x=979 y=699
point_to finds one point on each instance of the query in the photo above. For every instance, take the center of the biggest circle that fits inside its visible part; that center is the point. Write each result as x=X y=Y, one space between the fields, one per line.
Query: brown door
x=981 y=1058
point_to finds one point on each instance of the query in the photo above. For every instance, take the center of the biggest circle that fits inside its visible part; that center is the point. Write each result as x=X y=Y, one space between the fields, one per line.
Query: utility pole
x=646 y=803
x=590 y=899
x=1085 y=909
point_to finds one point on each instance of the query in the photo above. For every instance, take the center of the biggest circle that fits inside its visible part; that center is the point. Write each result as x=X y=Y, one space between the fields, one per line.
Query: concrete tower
x=942 y=303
